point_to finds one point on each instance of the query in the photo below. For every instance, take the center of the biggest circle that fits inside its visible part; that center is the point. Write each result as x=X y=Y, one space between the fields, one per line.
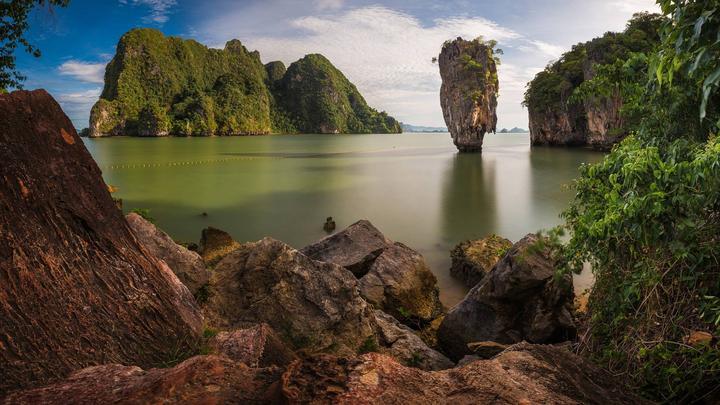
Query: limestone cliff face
x=77 y=288
x=560 y=116
x=595 y=122
x=565 y=126
x=468 y=95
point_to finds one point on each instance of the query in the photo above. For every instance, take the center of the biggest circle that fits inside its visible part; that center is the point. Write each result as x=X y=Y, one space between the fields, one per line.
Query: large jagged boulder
x=473 y=259
x=256 y=346
x=77 y=287
x=187 y=265
x=313 y=305
x=392 y=277
x=355 y=247
x=520 y=299
x=198 y=380
x=468 y=95
x=523 y=374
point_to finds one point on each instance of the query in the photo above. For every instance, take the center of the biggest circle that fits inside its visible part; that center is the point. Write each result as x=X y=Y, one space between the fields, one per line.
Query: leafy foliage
x=647 y=218
x=13 y=24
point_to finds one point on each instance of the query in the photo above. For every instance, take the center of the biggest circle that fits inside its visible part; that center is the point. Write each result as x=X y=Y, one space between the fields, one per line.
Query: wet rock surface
x=468 y=95
x=519 y=299
x=77 y=287
x=187 y=265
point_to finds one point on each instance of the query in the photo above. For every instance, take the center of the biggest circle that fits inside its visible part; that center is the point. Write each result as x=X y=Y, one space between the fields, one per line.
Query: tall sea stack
x=468 y=95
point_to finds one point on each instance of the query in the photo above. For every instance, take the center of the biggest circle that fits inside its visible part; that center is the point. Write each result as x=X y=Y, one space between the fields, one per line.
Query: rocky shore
x=98 y=307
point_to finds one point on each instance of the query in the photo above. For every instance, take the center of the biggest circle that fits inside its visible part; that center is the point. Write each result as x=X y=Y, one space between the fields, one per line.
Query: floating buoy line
x=185 y=163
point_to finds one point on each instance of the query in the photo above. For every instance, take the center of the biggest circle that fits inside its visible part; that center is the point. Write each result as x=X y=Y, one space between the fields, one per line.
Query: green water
x=414 y=187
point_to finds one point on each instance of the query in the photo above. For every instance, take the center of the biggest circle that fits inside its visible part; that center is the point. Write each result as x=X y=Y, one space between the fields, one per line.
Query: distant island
x=515 y=130
x=159 y=86
x=419 y=128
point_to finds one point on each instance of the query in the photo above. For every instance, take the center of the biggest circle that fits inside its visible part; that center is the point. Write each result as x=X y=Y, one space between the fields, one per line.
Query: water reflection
x=414 y=187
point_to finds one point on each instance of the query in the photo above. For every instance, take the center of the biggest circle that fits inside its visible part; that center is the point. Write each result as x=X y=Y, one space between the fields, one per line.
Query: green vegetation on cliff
x=317 y=97
x=157 y=85
x=552 y=88
x=647 y=218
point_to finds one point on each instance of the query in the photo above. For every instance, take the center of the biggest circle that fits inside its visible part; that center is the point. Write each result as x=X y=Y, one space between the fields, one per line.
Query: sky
x=385 y=47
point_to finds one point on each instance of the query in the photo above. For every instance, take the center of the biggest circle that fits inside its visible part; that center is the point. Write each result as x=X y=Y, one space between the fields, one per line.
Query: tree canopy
x=13 y=26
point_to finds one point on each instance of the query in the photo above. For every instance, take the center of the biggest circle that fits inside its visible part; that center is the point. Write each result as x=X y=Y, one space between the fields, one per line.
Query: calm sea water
x=415 y=188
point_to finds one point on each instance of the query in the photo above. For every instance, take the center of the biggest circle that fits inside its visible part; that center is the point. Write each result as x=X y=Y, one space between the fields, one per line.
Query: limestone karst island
x=344 y=202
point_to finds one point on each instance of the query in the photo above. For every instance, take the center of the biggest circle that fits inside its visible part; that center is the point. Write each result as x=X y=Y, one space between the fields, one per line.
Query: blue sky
x=384 y=46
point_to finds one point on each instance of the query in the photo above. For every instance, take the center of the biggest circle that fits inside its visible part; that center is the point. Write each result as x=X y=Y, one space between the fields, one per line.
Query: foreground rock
x=77 y=288
x=469 y=90
x=473 y=259
x=524 y=374
x=257 y=346
x=403 y=344
x=215 y=244
x=392 y=277
x=187 y=265
x=519 y=299
x=313 y=305
x=199 y=380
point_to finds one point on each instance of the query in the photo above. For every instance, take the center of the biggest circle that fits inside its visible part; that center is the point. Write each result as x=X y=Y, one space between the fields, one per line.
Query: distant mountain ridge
x=418 y=128
x=515 y=130
x=158 y=86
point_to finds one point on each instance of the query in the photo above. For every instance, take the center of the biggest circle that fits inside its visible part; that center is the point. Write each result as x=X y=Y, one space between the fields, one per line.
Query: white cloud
x=84 y=71
x=329 y=4
x=385 y=53
x=159 y=9
x=77 y=104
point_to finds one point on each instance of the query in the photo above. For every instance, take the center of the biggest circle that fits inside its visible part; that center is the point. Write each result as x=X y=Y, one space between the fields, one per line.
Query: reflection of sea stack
x=329 y=225
x=468 y=95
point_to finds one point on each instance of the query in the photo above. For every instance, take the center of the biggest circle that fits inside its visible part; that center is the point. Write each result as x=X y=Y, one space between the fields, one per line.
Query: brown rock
x=401 y=283
x=313 y=305
x=519 y=299
x=77 y=288
x=257 y=346
x=524 y=374
x=187 y=265
x=199 y=380
x=392 y=276
x=486 y=350
x=473 y=259
x=215 y=244
x=403 y=344
x=468 y=94
x=355 y=247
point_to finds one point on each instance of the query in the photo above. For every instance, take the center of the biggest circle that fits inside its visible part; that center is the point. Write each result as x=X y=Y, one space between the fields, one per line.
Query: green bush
x=647 y=218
